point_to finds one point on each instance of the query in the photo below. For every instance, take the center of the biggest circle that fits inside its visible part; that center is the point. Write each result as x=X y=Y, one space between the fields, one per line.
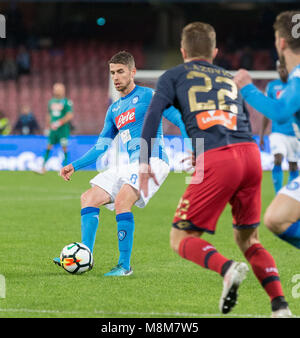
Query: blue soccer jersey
x=273 y=90
x=282 y=109
x=125 y=117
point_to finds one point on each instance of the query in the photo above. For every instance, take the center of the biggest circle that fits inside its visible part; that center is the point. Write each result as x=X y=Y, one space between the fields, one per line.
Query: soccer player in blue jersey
x=117 y=187
x=283 y=215
x=213 y=110
x=283 y=142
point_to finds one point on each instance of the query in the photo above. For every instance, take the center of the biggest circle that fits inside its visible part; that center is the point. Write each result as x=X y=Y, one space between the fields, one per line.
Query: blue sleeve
x=105 y=139
x=173 y=115
x=279 y=110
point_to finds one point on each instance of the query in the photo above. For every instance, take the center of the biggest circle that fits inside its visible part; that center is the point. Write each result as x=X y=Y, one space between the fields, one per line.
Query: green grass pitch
x=41 y=214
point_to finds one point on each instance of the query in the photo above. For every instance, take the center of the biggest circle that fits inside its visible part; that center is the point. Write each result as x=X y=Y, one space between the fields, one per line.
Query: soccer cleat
x=232 y=280
x=282 y=313
x=119 y=271
x=56 y=261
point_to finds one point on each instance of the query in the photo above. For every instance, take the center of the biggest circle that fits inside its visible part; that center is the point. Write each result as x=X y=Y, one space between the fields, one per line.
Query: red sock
x=203 y=253
x=265 y=270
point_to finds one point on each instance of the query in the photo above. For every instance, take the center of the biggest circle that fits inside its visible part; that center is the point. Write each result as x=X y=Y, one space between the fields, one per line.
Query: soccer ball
x=76 y=258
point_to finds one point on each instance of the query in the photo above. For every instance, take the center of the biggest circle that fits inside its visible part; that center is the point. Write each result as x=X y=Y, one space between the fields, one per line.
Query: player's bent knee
x=176 y=236
x=272 y=221
x=245 y=238
x=92 y=198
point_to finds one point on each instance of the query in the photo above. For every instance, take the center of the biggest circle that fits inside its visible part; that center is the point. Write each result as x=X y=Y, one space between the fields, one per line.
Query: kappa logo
x=121 y=235
x=125 y=118
x=210 y=118
x=279 y=93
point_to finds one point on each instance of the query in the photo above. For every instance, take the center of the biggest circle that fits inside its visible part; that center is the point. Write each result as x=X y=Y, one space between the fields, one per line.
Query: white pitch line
x=54 y=198
x=102 y=312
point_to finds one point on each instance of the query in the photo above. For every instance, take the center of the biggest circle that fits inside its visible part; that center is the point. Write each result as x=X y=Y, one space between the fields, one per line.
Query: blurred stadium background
x=64 y=41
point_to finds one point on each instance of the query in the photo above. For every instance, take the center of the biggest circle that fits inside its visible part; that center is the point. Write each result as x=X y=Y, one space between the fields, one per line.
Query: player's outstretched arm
x=279 y=110
x=66 y=172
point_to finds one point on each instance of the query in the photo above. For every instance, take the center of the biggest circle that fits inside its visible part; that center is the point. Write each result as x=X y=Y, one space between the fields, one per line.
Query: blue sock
x=293 y=175
x=277 y=176
x=292 y=234
x=89 y=226
x=125 y=223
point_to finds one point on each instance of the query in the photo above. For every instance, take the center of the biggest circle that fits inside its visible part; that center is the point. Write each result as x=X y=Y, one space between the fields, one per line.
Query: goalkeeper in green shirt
x=60 y=113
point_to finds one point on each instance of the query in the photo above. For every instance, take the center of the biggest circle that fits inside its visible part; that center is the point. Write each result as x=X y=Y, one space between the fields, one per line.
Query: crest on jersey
x=135 y=100
x=292 y=185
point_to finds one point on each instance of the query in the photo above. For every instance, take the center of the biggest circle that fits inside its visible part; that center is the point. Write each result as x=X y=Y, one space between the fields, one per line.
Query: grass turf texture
x=41 y=214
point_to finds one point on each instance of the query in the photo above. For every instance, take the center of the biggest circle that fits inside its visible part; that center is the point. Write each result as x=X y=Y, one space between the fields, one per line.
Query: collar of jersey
x=202 y=60
x=293 y=71
x=132 y=92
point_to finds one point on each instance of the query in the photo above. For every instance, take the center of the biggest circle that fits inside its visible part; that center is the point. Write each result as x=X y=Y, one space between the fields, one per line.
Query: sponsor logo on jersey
x=210 y=118
x=125 y=118
x=56 y=106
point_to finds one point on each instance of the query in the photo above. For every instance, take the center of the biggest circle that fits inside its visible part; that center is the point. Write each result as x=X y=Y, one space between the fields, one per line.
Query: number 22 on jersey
x=213 y=113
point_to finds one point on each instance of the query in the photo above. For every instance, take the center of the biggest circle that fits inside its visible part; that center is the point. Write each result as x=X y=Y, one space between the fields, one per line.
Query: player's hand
x=145 y=173
x=66 y=172
x=191 y=162
x=242 y=78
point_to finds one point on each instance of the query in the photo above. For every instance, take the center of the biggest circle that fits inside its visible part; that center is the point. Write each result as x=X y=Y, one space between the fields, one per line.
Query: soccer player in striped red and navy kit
x=213 y=110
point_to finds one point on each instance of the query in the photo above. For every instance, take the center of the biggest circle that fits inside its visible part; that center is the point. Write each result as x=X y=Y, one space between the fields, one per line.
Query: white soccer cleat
x=282 y=313
x=232 y=280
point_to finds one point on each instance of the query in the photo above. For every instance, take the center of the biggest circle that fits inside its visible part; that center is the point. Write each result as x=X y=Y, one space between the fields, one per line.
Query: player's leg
x=292 y=156
x=264 y=268
x=189 y=245
x=199 y=210
x=277 y=173
x=293 y=171
x=282 y=216
x=52 y=140
x=124 y=202
x=246 y=211
x=127 y=196
x=46 y=156
x=91 y=200
x=65 y=150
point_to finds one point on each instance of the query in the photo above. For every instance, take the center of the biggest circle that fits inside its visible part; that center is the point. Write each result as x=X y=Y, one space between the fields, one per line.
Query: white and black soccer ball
x=76 y=258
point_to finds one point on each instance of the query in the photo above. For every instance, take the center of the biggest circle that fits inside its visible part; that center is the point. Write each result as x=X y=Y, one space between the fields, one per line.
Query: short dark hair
x=198 y=39
x=284 y=26
x=123 y=58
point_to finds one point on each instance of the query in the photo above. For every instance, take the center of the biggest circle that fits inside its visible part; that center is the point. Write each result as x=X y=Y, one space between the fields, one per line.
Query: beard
x=124 y=87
